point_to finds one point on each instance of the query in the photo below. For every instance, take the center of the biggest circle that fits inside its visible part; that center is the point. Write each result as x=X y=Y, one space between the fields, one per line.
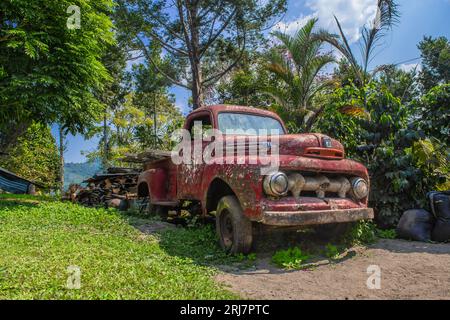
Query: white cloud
x=292 y=26
x=352 y=14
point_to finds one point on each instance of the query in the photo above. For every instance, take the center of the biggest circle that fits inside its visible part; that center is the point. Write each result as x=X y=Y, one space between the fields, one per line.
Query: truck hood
x=311 y=145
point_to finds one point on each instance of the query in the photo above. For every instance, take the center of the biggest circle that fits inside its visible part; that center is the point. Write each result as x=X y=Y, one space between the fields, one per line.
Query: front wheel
x=233 y=228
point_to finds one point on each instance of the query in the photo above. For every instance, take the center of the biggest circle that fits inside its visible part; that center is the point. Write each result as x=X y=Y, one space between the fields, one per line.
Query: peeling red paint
x=302 y=153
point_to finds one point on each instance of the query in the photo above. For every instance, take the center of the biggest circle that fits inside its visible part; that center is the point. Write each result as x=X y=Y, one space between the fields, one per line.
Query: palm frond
x=386 y=17
x=354 y=111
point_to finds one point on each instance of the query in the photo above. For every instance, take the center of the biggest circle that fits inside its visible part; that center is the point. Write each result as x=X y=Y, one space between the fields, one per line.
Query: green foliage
x=116 y=261
x=50 y=73
x=291 y=258
x=435 y=62
x=331 y=251
x=296 y=65
x=386 y=234
x=362 y=232
x=402 y=84
x=34 y=156
x=433 y=159
x=133 y=126
x=384 y=141
x=433 y=113
x=203 y=39
x=245 y=85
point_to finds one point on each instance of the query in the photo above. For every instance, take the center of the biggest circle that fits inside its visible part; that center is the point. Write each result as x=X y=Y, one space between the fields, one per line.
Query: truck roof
x=215 y=109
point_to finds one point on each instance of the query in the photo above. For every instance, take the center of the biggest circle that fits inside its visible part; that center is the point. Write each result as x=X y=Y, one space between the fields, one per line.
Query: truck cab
x=241 y=165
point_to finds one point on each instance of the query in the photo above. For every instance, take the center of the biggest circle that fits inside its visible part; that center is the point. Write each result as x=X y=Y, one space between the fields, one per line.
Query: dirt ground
x=409 y=270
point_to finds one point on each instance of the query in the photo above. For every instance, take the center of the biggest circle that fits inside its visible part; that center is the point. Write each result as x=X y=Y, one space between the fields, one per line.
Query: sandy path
x=409 y=270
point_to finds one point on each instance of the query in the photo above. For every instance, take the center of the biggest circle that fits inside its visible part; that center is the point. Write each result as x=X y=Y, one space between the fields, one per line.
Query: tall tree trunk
x=61 y=160
x=10 y=133
x=105 y=158
x=196 y=67
x=155 y=140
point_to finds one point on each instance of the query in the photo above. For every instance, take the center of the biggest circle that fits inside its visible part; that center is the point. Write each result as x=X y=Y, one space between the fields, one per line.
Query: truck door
x=190 y=174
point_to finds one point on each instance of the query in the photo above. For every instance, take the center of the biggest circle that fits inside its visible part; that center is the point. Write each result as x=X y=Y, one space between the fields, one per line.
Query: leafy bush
x=35 y=156
x=331 y=251
x=291 y=258
x=377 y=130
x=363 y=232
x=433 y=113
x=386 y=234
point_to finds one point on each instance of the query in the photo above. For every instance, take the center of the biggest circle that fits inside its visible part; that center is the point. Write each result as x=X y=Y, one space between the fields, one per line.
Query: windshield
x=250 y=124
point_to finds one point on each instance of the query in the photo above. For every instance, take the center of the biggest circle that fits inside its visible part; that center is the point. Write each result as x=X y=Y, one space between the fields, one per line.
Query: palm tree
x=386 y=17
x=296 y=65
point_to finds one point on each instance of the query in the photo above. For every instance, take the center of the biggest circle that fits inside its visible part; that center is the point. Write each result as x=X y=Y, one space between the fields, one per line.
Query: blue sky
x=418 y=18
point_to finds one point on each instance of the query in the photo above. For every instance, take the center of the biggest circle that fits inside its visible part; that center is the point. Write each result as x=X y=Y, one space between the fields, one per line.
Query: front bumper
x=315 y=217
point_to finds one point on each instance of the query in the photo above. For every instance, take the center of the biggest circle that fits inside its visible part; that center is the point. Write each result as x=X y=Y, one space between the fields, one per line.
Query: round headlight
x=360 y=188
x=276 y=184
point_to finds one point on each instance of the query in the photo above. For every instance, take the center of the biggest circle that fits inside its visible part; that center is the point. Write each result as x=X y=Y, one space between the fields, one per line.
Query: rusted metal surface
x=314 y=156
x=146 y=156
x=315 y=217
x=111 y=189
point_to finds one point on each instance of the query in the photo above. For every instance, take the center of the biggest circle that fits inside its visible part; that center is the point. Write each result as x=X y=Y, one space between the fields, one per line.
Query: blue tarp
x=12 y=183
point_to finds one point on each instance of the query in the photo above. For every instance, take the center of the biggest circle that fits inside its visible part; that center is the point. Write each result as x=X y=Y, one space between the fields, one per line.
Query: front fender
x=244 y=180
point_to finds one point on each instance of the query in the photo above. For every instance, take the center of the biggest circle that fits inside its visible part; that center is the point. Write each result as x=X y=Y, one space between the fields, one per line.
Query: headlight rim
x=355 y=182
x=268 y=184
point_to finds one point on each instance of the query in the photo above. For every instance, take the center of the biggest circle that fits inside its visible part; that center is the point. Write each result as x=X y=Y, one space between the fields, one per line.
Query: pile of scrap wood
x=111 y=189
x=147 y=156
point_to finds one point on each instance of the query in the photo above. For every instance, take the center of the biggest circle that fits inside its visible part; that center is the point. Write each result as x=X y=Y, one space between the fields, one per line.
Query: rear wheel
x=233 y=228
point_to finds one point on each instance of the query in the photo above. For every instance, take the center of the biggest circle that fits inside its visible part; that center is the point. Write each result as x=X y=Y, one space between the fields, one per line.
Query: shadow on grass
x=13 y=203
x=199 y=243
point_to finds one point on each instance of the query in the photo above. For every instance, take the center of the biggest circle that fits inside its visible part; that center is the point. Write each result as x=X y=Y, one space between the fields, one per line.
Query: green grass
x=291 y=258
x=331 y=251
x=40 y=239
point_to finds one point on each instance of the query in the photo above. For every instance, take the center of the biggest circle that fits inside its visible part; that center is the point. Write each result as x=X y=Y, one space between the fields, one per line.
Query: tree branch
x=148 y=56
x=184 y=27
x=231 y=66
x=218 y=33
x=167 y=46
x=169 y=30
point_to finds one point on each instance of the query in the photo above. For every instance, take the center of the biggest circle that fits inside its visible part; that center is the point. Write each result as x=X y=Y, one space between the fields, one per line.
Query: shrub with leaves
x=291 y=258
x=362 y=232
x=331 y=251
x=35 y=156
x=433 y=113
x=381 y=137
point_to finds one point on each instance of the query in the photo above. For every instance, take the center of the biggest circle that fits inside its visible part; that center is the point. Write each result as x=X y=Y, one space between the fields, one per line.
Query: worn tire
x=233 y=228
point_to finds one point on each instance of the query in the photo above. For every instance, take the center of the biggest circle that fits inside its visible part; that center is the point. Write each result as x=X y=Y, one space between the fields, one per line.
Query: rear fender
x=153 y=183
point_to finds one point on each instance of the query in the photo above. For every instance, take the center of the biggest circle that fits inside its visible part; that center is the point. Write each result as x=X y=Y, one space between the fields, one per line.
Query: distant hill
x=77 y=172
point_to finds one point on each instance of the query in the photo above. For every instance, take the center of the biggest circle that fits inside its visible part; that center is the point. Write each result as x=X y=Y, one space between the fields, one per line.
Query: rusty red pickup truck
x=256 y=173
